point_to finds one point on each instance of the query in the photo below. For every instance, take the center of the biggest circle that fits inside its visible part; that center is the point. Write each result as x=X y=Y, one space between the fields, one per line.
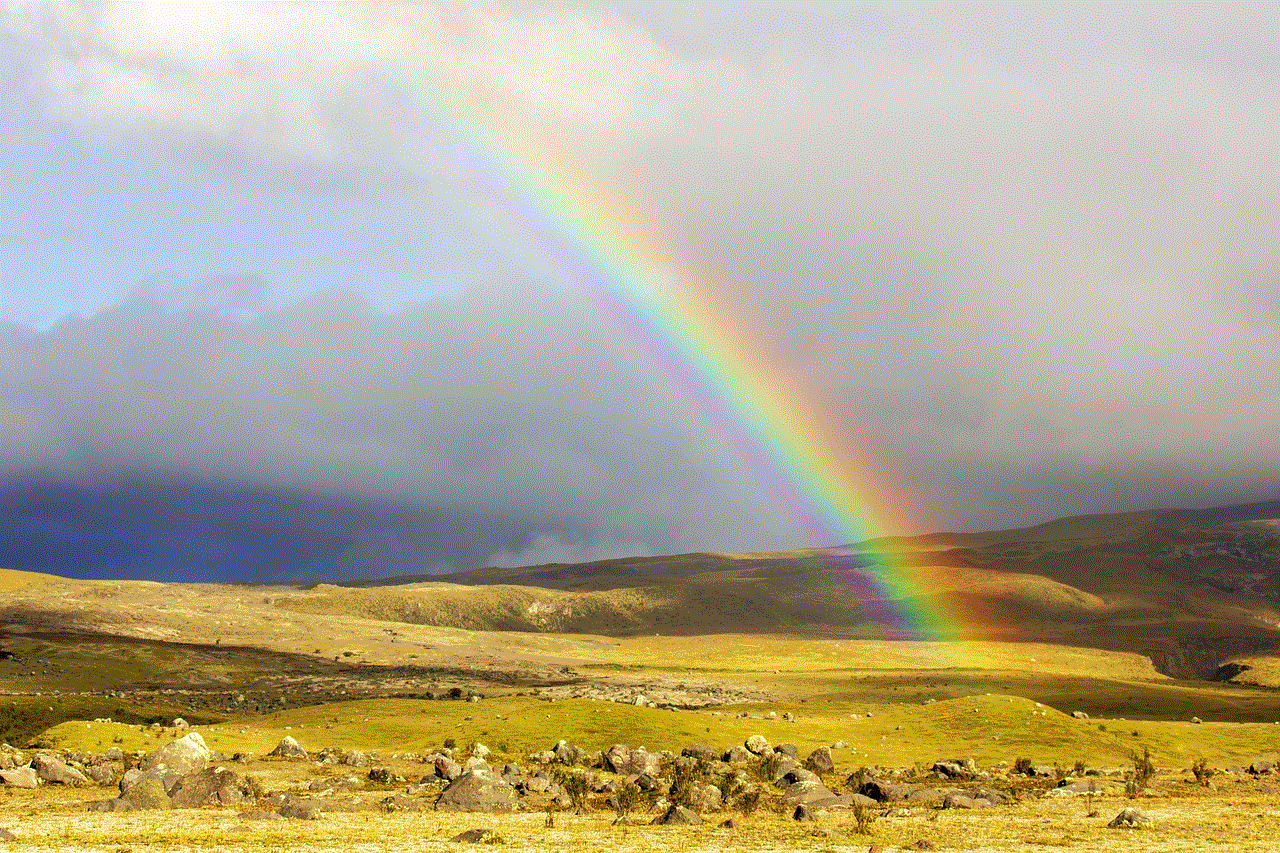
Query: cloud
x=1028 y=256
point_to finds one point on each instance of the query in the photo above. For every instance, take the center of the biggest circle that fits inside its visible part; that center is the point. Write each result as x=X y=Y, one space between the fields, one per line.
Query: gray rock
x=210 y=787
x=1131 y=818
x=298 y=809
x=805 y=792
x=447 y=768
x=927 y=796
x=758 y=745
x=702 y=751
x=820 y=761
x=101 y=772
x=469 y=836
x=356 y=759
x=678 y=816
x=147 y=794
x=704 y=797
x=20 y=777
x=187 y=754
x=737 y=755
x=473 y=792
x=885 y=792
x=1079 y=715
x=288 y=748
x=54 y=770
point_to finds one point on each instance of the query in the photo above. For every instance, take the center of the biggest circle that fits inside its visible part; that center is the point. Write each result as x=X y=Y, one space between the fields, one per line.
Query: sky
x=266 y=311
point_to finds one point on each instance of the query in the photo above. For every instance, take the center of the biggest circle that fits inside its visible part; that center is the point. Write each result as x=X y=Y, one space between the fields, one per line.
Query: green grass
x=989 y=729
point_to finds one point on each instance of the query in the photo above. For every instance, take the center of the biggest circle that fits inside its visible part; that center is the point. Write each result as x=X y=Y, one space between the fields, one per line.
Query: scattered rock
x=54 y=770
x=298 y=809
x=820 y=761
x=702 y=751
x=803 y=814
x=20 y=777
x=288 y=748
x=215 y=786
x=788 y=749
x=1131 y=818
x=470 y=836
x=678 y=816
x=147 y=794
x=758 y=745
x=473 y=792
x=1079 y=715
x=737 y=755
x=1196 y=720
x=187 y=754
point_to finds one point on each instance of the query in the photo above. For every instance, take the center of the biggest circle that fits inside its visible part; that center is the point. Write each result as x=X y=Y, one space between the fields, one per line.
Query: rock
x=479 y=750
x=737 y=755
x=729 y=824
x=447 y=768
x=20 y=777
x=187 y=754
x=805 y=792
x=1131 y=818
x=6 y=835
x=617 y=759
x=926 y=796
x=54 y=770
x=259 y=814
x=885 y=792
x=179 y=723
x=1261 y=768
x=473 y=792
x=214 y=786
x=116 y=805
x=470 y=836
x=567 y=753
x=788 y=749
x=758 y=745
x=288 y=748
x=101 y=772
x=702 y=751
x=297 y=809
x=819 y=761
x=147 y=794
x=1079 y=715
x=802 y=813
x=798 y=774
x=678 y=816
x=1196 y=720
x=356 y=759
x=961 y=801
x=956 y=769
x=704 y=797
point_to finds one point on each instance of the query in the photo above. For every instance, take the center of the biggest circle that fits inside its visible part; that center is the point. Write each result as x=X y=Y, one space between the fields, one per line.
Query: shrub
x=1202 y=771
x=1023 y=767
x=863 y=818
x=1141 y=774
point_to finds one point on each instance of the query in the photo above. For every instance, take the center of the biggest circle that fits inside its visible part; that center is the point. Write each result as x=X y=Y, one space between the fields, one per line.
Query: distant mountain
x=1192 y=589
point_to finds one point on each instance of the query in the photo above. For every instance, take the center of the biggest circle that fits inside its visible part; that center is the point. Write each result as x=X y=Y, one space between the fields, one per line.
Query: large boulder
x=758 y=745
x=819 y=761
x=187 y=754
x=20 y=777
x=288 y=748
x=884 y=792
x=214 y=786
x=473 y=792
x=55 y=770
x=147 y=794
x=677 y=816
x=702 y=751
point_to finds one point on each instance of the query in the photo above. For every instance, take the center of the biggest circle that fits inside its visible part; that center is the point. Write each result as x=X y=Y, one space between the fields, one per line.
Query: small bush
x=1140 y=776
x=1078 y=768
x=1202 y=771
x=1023 y=767
x=863 y=818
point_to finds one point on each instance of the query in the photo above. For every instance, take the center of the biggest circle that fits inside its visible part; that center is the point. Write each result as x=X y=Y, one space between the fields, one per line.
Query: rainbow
x=828 y=485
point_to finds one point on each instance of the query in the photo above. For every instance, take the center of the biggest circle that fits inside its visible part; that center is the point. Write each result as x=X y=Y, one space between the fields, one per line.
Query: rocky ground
x=750 y=796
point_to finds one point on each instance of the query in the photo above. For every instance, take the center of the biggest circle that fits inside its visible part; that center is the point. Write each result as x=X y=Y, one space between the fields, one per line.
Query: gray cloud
x=1031 y=256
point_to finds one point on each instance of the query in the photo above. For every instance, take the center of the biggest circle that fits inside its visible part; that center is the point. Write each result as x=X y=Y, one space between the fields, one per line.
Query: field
x=1117 y=639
